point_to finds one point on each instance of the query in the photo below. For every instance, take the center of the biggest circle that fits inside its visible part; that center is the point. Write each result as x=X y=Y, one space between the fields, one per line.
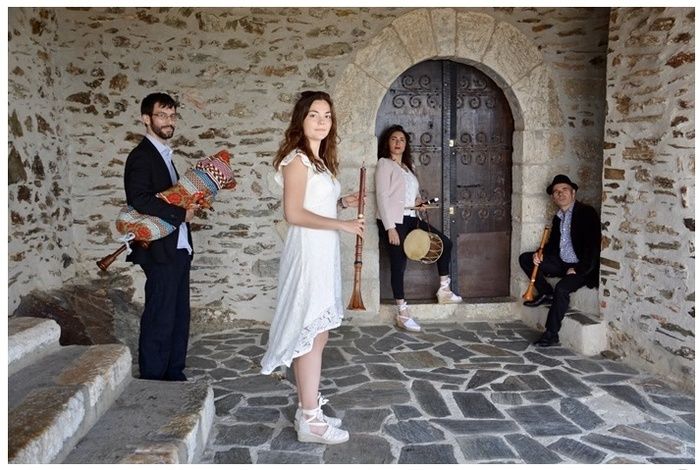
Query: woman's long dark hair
x=383 y=147
x=294 y=137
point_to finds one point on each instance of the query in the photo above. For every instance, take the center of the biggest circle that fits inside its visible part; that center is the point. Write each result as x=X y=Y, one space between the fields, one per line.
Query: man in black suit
x=572 y=253
x=165 y=322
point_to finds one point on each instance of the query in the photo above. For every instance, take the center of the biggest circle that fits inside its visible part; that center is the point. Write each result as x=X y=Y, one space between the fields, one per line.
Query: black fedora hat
x=561 y=179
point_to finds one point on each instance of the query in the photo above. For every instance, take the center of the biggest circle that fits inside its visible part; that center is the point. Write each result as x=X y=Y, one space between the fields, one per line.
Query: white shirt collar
x=162 y=148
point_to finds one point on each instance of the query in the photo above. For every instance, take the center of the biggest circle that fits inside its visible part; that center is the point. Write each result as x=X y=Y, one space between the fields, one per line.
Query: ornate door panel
x=460 y=128
x=481 y=185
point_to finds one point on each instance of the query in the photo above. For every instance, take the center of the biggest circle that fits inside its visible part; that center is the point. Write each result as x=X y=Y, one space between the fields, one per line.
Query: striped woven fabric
x=199 y=185
x=144 y=227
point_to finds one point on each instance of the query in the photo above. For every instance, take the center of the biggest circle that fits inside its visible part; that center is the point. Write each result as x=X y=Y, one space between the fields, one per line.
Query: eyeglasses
x=164 y=116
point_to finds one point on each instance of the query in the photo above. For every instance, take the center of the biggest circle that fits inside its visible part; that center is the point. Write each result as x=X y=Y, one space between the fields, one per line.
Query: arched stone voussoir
x=538 y=146
x=511 y=54
x=416 y=32
x=444 y=26
x=473 y=35
x=538 y=100
x=357 y=146
x=384 y=58
x=356 y=98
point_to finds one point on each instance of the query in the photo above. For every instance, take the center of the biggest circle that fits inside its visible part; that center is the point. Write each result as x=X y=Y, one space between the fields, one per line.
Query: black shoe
x=539 y=300
x=547 y=340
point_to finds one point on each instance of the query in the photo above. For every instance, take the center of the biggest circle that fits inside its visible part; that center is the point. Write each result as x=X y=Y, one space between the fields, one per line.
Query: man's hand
x=190 y=213
x=537 y=258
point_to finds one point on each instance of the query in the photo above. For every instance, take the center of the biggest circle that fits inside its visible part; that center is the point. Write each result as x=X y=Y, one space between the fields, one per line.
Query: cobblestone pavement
x=455 y=393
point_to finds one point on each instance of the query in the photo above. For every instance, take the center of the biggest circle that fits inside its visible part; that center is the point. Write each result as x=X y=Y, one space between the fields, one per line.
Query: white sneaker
x=314 y=418
x=336 y=422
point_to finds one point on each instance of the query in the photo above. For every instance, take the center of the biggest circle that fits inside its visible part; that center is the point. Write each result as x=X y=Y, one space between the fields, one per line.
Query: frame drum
x=422 y=246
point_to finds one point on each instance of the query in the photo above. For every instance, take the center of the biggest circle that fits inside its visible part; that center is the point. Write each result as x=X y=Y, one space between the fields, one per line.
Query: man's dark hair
x=163 y=99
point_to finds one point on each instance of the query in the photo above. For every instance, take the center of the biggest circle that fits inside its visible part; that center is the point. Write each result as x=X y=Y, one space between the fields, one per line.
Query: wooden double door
x=461 y=129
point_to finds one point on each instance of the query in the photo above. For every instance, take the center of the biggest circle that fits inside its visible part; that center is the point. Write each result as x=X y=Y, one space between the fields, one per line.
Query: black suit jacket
x=145 y=175
x=585 y=238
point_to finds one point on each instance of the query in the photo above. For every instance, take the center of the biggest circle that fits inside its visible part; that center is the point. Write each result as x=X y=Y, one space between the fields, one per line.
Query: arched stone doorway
x=504 y=54
x=461 y=128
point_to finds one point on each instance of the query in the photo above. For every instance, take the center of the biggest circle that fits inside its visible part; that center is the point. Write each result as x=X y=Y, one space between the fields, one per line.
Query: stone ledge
x=586 y=300
x=582 y=332
x=55 y=401
x=151 y=422
x=448 y=313
x=28 y=339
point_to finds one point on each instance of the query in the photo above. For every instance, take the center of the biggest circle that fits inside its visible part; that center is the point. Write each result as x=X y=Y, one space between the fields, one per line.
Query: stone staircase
x=80 y=404
x=582 y=330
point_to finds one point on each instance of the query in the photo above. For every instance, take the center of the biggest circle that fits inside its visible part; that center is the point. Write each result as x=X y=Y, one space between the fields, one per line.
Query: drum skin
x=422 y=246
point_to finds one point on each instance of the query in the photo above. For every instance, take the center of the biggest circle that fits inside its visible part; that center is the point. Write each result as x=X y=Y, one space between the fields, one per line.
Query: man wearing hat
x=572 y=253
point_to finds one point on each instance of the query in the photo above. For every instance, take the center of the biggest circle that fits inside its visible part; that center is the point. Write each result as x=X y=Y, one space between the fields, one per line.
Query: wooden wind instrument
x=530 y=292
x=356 y=298
x=105 y=262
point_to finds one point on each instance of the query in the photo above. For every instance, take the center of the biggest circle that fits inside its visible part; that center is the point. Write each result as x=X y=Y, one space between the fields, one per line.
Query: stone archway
x=503 y=53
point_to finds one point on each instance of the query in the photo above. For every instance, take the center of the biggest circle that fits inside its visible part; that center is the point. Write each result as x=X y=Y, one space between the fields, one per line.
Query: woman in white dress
x=309 y=298
x=397 y=188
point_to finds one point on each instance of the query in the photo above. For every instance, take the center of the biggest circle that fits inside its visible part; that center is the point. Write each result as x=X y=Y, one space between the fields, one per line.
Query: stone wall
x=236 y=73
x=42 y=251
x=572 y=42
x=648 y=274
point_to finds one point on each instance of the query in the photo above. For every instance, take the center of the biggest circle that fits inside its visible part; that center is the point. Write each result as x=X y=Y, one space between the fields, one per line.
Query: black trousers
x=165 y=323
x=553 y=266
x=397 y=256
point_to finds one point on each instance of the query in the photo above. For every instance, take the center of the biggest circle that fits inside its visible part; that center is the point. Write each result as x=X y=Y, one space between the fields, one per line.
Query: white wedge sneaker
x=314 y=419
x=404 y=321
x=336 y=422
x=446 y=296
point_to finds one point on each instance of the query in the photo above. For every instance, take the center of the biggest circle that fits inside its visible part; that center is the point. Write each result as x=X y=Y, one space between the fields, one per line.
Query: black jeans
x=553 y=266
x=398 y=258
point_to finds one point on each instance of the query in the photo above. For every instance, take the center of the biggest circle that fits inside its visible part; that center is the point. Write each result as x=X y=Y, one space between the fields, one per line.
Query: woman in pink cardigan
x=397 y=188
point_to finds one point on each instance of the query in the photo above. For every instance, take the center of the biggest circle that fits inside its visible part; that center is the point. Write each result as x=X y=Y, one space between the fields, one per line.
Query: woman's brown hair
x=383 y=147
x=294 y=137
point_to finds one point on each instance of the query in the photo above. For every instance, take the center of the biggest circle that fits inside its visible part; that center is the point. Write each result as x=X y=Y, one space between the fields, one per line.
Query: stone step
x=151 y=422
x=585 y=300
x=29 y=339
x=438 y=313
x=54 y=401
x=582 y=332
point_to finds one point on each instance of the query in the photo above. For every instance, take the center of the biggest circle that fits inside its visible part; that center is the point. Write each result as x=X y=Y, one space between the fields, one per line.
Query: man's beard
x=164 y=134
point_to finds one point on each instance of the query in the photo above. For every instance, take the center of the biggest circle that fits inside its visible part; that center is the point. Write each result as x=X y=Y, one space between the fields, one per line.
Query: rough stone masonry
x=77 y=75
x=647 y=270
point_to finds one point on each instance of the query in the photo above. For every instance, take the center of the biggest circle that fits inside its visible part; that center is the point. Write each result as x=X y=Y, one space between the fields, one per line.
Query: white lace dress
x=308 y=293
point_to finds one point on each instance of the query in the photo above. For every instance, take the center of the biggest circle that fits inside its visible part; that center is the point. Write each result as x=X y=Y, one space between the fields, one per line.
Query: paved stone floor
x=455 y=393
